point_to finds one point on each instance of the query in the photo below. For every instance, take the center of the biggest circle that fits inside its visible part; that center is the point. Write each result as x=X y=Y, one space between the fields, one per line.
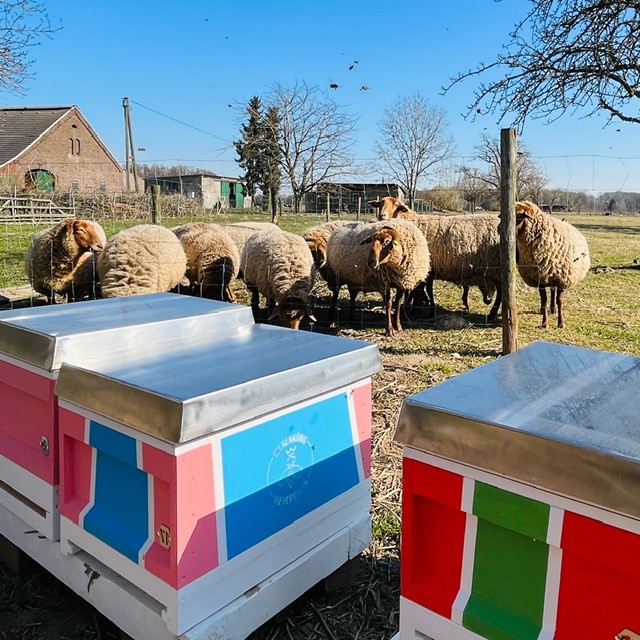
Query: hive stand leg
x=12 y=556
x=341 y=577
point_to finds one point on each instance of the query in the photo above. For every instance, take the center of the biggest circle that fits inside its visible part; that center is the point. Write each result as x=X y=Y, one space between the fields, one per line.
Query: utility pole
x=130 y=163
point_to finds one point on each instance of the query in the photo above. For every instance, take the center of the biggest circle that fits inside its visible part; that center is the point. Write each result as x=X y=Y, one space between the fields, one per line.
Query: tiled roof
x=21 y=126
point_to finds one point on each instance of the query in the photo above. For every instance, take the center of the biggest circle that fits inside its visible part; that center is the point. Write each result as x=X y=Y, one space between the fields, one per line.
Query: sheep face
x=382 y=245
x=292 y=311
x=389 y=207
x=85 y=235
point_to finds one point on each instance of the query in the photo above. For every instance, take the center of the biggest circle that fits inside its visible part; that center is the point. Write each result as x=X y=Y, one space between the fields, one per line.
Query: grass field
x=603 y=312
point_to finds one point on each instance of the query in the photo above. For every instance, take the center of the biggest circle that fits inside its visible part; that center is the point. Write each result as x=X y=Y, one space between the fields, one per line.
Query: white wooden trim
x=528 y=491
x=554 y=568
x=34 y=489
x=468 y=551
x=418 y=623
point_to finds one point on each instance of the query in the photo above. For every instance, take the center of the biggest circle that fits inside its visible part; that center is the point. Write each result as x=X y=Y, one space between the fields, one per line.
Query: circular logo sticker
x=290 y=468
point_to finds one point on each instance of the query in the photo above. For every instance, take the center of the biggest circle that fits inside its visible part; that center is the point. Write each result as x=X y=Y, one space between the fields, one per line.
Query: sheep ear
x=402 y=207
x=70 y=226
x=376 y=204
x=311 y=317
x=274 y=313
x=368 y=240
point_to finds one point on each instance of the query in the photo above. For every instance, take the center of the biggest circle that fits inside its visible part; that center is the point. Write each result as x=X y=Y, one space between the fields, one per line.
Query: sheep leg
x=552 y=306
x=465 y=297
x=544 y=310
x=353 y=294
x=255 y=302
x=560 y=298
x=428 y=288
x=399 y=298
x=493 y=314
x=388 y=303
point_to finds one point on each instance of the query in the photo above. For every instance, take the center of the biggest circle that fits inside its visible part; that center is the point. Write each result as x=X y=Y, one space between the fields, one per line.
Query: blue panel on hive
x=119 y=515
x=286 y=468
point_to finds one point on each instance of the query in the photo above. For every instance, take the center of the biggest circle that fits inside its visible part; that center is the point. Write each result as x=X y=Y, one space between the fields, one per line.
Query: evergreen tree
x=259 y=152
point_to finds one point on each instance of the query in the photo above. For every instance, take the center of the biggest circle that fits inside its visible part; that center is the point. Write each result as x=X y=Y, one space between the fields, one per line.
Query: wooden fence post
x=508 y=154
x=155 y=204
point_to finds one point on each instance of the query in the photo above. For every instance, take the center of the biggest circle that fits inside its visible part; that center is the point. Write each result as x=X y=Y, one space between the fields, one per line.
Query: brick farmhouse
x=54 y=149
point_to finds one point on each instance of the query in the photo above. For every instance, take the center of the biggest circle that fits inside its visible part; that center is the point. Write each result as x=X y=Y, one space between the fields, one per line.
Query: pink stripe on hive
x=598 y=581
x=433 y=530
x=361 y=397
x=184 y=514
x=76 y=464
x=29 y=413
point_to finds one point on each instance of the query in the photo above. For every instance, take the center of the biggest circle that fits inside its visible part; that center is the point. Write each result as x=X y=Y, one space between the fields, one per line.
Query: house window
x=103 y=187
x=75 y=186
x=75 y=146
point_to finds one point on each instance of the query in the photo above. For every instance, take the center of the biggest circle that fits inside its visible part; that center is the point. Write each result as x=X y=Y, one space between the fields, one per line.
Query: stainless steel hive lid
x=46 y=336
x=554 y=416
x=185 y=390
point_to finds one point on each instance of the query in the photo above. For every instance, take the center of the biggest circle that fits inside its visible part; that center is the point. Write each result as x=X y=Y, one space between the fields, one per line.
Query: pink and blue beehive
x=34 y=342
x=202 y=470
x=520 y=515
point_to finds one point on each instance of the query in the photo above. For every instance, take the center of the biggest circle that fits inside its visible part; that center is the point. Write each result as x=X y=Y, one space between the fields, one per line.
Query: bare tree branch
x=564 y=56
x=23 y=24
x=413 y=139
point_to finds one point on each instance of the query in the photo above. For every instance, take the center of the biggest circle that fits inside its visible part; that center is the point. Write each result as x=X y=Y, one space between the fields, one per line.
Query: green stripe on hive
x=510 y=566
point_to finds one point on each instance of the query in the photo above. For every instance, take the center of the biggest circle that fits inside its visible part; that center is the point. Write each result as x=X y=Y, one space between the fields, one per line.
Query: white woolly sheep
x=212 y=259
x=379 y=257
x=464 y=250
x=146 y=258
x=279 y=265
x=55 y=261
x=550 y=253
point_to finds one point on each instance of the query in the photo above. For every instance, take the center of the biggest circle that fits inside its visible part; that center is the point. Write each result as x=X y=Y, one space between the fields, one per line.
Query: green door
x=239 y=195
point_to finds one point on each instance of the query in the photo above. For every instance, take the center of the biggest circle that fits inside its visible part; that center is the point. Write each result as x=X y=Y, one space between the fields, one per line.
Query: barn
x=54 y=149
x=352 y=196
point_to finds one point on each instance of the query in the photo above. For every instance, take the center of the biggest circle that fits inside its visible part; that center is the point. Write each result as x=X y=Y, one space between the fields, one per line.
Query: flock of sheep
x=401 y=253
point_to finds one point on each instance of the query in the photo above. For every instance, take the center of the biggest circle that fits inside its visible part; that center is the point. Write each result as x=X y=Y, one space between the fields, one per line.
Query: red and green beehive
x=521 y=500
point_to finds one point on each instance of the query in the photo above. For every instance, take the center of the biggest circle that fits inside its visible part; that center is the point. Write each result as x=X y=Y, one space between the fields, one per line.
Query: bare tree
x=315 y=136
x=413 y=139
x=565 y=55
x=23 y=23
x=530 y=178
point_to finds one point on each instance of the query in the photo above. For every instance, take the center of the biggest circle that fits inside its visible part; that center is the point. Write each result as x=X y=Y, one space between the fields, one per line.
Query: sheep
x=397 y=258
x=55 y=262
x=212 y=259
x=550 y=253
x=317 y=238
x=464 y=250
x=279 y=265
x=145 y=258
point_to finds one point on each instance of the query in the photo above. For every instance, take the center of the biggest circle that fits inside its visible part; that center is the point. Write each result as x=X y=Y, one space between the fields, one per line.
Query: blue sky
x=190 y=60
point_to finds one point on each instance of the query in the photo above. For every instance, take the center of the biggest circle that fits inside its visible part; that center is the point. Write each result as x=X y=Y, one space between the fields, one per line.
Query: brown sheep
x=55 y=262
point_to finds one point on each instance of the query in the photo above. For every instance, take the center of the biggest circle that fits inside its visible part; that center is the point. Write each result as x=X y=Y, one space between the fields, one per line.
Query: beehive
x=204 y=473
x=520 y=514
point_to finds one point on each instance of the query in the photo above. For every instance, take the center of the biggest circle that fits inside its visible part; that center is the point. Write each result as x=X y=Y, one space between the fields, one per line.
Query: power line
x=164 y=115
